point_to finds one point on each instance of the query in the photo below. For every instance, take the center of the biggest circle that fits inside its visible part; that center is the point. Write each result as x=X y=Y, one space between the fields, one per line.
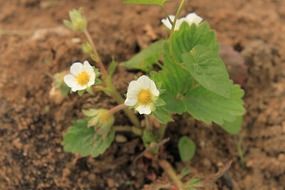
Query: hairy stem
x=117 y=108
x=171 y=174
x=96 y=55
x=114 y=92
x=132 y=129
x=182 y=2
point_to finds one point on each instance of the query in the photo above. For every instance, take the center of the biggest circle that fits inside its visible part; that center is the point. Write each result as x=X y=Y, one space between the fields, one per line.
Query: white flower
x=81 y=76
x=191 y=18
x=142 y=94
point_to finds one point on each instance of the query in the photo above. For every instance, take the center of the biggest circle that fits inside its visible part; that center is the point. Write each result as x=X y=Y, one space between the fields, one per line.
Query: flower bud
x=101 y=119
x=77 y=22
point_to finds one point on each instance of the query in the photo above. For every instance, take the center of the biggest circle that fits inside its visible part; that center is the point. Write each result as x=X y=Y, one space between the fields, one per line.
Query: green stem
x=182 y=2
x=107 y=80
x=96 y=54
x=117 y=108
x=132 y=129
x=171 y=174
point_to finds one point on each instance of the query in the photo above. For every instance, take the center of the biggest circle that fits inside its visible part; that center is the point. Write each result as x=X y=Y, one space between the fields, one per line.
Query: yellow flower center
x=82 y=78
x=144 y=97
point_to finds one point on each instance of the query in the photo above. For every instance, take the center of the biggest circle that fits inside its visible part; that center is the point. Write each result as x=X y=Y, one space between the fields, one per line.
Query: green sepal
x=112 y=68
x=77 y=22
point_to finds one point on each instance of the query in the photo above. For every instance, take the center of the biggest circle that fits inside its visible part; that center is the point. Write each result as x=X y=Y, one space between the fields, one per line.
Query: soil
x=34 y=46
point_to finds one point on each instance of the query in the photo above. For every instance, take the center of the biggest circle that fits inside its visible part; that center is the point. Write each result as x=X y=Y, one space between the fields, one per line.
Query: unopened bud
x=77 y=22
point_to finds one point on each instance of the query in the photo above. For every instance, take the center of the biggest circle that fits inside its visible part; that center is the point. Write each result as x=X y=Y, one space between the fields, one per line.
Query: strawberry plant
x=192 y=79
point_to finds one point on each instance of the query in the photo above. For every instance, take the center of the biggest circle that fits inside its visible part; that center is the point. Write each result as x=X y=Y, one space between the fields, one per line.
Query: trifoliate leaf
x=84 y=141
x=186 y=148
x=146 y=58
x=208 y=69
x=185 y=94
x=196 y=48
x=146 y=2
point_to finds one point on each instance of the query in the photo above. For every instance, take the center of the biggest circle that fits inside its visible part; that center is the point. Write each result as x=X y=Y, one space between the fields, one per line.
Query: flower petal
x=70 y=80
x=90 y=70
x=144 y=109
x=76 y=68
x=92 y=78
x=154 y=89
x=193 y=18
x=79 y=87
x=144 y=81
x=133 y=89
x=167 y=23
x=178 y=23
x=87 y=66
x=131 y=101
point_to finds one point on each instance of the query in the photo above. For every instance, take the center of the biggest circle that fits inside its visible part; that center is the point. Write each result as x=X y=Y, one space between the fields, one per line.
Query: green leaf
x=162 y=115
x=187 y=37
x=146 y=2
x=208 y=69
x=84 y=141
x=145 y=59
x=195 y=79
x=234 y=126
x=195 y=49
x=175 y=81
x=209 y=107
x=186 y=148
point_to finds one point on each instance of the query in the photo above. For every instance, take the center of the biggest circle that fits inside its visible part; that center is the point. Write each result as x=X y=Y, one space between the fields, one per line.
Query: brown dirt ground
x=31 y=124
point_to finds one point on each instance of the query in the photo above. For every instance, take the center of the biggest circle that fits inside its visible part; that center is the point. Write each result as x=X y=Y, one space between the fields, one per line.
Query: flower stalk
x=96 y=56
x=117 y=108
x=132 y=129
x=182 y=2
x=109 y=85
x=171 y=174
x=119 y=99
